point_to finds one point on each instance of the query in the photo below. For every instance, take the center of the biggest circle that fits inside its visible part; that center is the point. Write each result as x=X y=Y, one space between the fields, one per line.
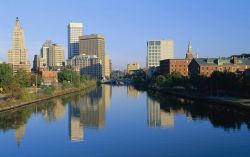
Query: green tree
x=160 y=80
x=69 y=76
x=23 y=78
x=6 y=77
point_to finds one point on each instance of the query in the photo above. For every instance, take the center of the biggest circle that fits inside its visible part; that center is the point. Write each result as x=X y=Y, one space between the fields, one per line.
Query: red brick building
x=206 y=66
x=49 y=77
x=169 y=66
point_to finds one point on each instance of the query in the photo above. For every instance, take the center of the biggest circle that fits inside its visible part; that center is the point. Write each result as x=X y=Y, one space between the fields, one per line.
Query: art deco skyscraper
x=74 y=31
x=18 y=55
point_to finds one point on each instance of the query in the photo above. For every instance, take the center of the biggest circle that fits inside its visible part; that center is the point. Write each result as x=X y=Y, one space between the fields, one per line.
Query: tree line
x=218 y=84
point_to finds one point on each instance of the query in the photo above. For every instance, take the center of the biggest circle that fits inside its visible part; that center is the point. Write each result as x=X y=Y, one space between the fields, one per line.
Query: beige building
x=52 y=54
x=18 y=54
x=107 y=66
x=158 y=50
x=158 y=117
x=93 y=44
x=132 y=67
x=56 y=55
x=88 y=64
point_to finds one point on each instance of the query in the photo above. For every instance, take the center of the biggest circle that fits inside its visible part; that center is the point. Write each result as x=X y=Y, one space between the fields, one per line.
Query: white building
x=74 y=31
x=158 y=50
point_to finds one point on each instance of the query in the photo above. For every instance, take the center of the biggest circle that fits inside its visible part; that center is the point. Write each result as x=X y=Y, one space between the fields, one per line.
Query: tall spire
x=189 y=47
x=189 y=54
x=17 y=21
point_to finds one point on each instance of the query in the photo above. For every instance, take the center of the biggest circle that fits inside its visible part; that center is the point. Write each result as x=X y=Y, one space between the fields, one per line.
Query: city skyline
x=203 y=23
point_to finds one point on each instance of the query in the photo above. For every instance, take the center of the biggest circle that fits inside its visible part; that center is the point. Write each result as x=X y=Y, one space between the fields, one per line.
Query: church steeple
x=189 y=54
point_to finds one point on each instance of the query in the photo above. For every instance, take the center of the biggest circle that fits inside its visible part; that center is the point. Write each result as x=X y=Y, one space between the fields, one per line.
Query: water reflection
x=220 y=116
x=88 y=110
x=132 y=92
x=157 y=117
x=85 y=110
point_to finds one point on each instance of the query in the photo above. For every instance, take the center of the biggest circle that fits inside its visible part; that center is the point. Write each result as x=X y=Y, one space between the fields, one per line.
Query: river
x=122 y=121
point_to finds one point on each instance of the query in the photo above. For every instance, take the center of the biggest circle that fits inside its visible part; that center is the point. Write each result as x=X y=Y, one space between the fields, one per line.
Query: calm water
x=121 y=121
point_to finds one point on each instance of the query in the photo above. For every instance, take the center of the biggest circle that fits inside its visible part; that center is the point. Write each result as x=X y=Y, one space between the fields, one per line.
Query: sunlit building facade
x=75 y=29
x=158 y=50
x=18 y=54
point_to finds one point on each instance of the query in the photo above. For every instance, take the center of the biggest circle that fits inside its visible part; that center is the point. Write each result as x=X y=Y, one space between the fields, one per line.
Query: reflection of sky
x=126 y=133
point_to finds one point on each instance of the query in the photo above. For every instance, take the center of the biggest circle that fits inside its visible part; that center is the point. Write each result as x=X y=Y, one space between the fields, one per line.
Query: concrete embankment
x=225 y=101
x=14 y=105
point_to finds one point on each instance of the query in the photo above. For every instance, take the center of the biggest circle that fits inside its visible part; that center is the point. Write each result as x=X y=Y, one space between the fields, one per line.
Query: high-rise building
x=45 y=52
x=56 y=55
x=36 y=63
x=18 y=54
x=52 y=54
x=89 y=65
x=93 y=44
x=131 y=68
x=158 y=50
x=74 y=31
x=107 y=66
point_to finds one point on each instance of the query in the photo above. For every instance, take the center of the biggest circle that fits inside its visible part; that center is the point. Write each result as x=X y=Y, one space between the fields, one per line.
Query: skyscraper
x=18 y=55
x=107 y=66
x=158 y=50
x=74 y=31
x=52 y=54
x=93 y=44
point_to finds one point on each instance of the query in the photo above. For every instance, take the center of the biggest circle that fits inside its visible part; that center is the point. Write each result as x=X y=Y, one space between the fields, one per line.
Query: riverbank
x=35 y=98
x=225 y=101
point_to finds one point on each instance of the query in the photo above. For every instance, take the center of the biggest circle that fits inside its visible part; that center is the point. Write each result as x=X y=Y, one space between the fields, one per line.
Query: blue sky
x=215 y=27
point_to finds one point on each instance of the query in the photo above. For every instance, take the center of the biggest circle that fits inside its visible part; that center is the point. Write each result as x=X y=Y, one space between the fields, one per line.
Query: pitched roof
x=221 y=61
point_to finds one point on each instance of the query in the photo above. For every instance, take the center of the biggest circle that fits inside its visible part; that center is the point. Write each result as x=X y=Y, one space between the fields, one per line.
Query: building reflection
x=158 y=117
x=88 y=111
x=132 y=92
x=19 y=133
x=57 y=111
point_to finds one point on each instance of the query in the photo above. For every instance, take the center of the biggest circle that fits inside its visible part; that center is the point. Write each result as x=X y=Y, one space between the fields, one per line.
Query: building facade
x=74 y=31
x=89 y=65
x=94 y=45
x=206 y=66
x=52 y=54
x=132 y=67
x=18 y=54
x=107 y=66
x=158 y=50
x=36 y=63
x=49 y=77
x=169 y=66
